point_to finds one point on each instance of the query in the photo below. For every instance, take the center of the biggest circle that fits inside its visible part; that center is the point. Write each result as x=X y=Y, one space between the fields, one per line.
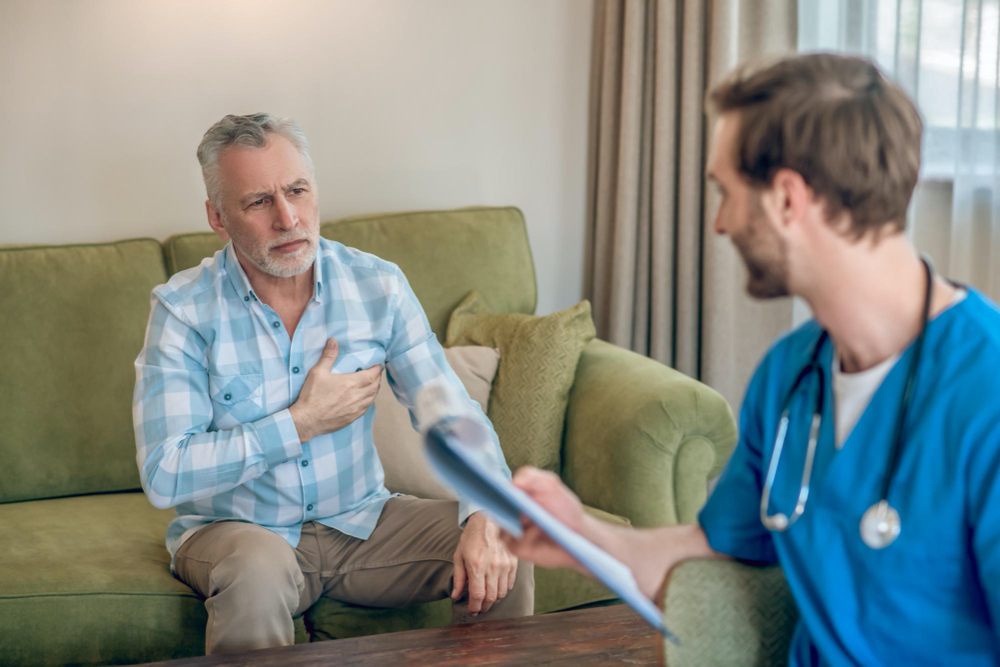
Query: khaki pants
x=254 y=582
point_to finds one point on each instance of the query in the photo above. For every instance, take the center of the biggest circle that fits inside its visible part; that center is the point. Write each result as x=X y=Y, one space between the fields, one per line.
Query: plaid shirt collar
x=241 y=282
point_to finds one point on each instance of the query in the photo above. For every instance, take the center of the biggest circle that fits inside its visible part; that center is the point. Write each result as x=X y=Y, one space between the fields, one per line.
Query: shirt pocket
x=360 y=359
x=236 y=399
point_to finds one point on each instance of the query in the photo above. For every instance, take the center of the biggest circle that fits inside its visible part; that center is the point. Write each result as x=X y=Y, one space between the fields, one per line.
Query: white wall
x=407 y=105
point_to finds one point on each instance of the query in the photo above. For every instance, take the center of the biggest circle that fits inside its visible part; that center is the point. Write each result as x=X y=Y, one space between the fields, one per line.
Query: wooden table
x=596 y=636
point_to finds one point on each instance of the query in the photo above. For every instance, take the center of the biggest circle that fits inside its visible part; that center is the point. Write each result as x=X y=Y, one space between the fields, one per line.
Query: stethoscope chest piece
x=880 y=525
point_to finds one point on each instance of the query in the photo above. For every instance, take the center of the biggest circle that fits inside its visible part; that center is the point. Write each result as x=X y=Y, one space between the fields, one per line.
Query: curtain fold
x=661 y=284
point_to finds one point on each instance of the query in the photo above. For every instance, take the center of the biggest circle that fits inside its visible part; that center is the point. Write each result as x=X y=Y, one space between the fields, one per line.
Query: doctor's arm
x=649 y=552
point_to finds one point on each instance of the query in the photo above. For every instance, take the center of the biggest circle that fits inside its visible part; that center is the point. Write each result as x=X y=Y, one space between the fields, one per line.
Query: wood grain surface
x=599 y=636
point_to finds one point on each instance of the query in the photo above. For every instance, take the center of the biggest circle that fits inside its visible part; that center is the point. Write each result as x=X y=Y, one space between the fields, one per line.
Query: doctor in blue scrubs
x=868 y=462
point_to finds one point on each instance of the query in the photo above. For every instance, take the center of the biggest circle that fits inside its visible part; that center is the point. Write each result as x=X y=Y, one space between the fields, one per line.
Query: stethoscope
x=880 y=524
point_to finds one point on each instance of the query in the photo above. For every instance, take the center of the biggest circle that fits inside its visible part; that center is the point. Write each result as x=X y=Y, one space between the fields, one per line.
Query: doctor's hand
x=483 y=565
x=547 y=490
x=330 y=401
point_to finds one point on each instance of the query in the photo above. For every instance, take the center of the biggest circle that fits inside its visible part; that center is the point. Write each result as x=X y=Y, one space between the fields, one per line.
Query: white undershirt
x=852 y=392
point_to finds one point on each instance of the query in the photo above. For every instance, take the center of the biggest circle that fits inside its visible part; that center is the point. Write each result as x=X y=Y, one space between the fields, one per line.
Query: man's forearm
x=650 y=552
x=182 y=468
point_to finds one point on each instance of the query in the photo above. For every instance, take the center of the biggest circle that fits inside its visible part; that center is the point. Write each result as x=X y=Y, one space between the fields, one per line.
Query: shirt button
x=305 y=464
x=295 y=370
x=309 y=507
x=275 y=324
x=227 y=396
x=246 y=298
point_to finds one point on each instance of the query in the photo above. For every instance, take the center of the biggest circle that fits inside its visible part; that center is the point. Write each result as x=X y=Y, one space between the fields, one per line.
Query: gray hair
x=250 y=131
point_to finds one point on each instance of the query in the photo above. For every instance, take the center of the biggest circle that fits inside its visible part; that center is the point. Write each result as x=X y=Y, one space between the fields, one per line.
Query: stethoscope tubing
x=911 y=381
x=780 y=521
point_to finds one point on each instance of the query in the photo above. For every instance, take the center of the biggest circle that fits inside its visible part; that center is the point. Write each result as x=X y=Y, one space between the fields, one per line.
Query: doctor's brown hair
x=852 y=135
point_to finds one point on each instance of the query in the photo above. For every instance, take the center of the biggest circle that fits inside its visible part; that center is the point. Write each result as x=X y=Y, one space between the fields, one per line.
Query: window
x=946 y=55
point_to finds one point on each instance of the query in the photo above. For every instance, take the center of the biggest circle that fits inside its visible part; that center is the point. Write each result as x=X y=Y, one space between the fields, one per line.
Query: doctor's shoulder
x=965 y=373
x=980 y=319
x=966 y=354
x=776 y=372
x=786 y=357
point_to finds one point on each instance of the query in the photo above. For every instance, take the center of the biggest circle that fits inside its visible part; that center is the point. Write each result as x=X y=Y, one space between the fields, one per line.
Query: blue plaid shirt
x=218 y=372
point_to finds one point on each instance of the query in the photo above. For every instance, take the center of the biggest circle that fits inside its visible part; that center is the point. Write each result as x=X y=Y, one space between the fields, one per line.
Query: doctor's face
x=742 y=217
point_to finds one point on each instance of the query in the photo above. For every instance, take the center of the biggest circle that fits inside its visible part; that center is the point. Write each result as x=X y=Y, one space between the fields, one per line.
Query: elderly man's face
x=270 y=207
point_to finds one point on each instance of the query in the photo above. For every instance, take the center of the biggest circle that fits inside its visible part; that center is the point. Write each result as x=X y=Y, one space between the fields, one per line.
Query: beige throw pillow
x=399 y=446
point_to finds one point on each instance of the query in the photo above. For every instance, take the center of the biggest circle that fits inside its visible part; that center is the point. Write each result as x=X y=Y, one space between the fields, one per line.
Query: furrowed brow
x=253 y=196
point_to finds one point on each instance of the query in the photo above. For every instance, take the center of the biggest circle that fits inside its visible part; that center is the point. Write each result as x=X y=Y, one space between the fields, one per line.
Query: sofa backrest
x=444 y=255
x=72 y=320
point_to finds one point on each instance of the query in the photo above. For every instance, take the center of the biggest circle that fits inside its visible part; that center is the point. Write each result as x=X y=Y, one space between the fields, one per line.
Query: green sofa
x=84 y=574
x=727 y=614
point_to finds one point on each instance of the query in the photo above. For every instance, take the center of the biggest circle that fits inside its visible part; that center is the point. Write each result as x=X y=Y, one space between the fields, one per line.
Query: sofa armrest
x=642 y=439
x=727 y=613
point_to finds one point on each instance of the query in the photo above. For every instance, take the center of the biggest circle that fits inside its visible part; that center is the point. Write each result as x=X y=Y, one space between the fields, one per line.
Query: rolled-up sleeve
x=415 y=358
x=179 y=459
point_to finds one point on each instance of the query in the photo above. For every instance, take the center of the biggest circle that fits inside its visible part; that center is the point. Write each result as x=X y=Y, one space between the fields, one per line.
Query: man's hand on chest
x=330 y=401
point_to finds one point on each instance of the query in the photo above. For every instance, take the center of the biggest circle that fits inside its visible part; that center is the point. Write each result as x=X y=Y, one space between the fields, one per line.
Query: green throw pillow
x=538 y=358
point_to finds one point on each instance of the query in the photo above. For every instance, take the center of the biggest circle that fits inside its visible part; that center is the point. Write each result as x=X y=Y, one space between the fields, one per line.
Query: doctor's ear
x=790 y=197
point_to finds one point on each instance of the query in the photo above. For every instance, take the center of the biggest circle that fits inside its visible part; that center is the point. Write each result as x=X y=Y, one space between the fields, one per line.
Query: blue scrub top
x=932 y=595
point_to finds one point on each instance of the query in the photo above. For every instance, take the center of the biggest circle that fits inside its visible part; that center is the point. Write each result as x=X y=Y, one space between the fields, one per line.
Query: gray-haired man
x=253 y=415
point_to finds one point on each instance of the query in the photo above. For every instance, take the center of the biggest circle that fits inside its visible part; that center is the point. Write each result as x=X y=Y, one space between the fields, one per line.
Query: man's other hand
x=483 y=565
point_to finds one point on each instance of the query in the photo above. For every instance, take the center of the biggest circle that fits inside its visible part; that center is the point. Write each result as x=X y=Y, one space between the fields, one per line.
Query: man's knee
x=264 y=566
x=235 y=554
x=252 y=583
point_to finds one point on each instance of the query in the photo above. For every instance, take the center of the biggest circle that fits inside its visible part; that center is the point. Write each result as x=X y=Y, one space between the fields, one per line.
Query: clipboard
x=456 y=448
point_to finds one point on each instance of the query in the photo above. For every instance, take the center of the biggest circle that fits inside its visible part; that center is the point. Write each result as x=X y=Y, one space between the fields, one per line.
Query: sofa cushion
x=443 y=254
x=538 y=359
x=72 y=325
x=87 y=580
x=182 y=251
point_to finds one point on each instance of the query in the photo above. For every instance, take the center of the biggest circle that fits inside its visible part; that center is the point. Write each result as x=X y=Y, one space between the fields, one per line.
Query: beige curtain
x=660 y=282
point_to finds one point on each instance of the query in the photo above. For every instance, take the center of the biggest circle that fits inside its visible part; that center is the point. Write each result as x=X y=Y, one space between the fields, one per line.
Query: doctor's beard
x=764 y=253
